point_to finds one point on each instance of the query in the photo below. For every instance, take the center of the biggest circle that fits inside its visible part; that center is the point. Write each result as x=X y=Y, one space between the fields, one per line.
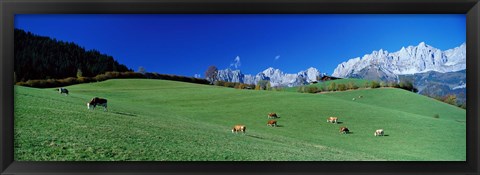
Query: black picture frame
x=11 y=7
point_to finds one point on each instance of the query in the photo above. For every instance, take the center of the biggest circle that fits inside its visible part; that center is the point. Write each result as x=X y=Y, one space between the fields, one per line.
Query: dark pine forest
x=39 y=57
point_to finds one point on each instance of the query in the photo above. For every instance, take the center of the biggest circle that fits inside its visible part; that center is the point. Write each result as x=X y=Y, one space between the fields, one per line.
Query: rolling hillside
x=167 y=120
x=325 y=84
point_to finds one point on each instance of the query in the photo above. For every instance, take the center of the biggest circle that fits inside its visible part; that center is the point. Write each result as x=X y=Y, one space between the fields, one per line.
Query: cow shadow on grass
x=339 y=122
x=126 y=114
x=254 y=136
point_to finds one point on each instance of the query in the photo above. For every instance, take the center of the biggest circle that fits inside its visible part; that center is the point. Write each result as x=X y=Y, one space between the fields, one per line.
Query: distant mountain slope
x=440 y=84
x=39 y=57
x=275 y=76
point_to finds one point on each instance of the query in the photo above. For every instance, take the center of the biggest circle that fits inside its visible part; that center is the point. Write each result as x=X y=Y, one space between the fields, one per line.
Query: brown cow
x=272 y=115
x=239 y=128
x=344 y=130
x=332 y=119
x=272 y=123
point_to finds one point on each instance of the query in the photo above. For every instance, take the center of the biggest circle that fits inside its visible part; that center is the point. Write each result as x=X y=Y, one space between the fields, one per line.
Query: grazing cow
x=239 y=128
x=378 y=132
x=272 y=115
x=353 y=99
x=272 y=123
x=361 y=96
x=332 y=119
x=344 y=130
x=97 y=101
x=63 y=91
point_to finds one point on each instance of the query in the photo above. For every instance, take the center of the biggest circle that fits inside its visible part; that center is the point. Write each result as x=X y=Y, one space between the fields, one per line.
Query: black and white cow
x=379 y=132
x=63 y=91
x=97 y=101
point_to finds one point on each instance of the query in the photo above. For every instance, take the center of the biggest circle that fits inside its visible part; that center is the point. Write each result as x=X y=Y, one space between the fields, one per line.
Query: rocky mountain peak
x=275 y=76
x=408 y=60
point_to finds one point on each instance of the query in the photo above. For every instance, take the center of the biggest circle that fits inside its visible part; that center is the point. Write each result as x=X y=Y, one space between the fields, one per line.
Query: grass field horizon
x=175 y=121
x=360 y=83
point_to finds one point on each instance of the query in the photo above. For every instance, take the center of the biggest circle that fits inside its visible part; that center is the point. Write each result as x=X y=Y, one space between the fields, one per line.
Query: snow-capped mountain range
x=433 y=71
x=275 y=76
x=410 y=60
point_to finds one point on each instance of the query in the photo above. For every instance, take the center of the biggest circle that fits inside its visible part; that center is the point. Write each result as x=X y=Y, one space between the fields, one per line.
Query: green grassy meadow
x=169 y=121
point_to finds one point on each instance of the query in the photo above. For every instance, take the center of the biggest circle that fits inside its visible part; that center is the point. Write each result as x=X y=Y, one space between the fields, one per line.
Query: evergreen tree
x=38 y=57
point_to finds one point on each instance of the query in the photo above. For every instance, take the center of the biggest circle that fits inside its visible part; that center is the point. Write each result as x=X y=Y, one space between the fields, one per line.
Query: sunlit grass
x=167 y=120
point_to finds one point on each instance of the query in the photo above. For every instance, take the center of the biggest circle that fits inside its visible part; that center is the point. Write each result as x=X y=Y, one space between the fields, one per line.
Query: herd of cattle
x=343 y=129
x=96 y=101
x=242 y=128
x=273 y=123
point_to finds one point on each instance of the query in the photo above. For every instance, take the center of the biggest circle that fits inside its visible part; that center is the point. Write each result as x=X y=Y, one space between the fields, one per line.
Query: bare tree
x=264 y=85
x=211 y=74
x=141 y=70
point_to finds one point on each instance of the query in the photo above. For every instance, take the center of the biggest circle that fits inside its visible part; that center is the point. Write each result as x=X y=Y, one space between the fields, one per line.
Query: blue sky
x=188 y=44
